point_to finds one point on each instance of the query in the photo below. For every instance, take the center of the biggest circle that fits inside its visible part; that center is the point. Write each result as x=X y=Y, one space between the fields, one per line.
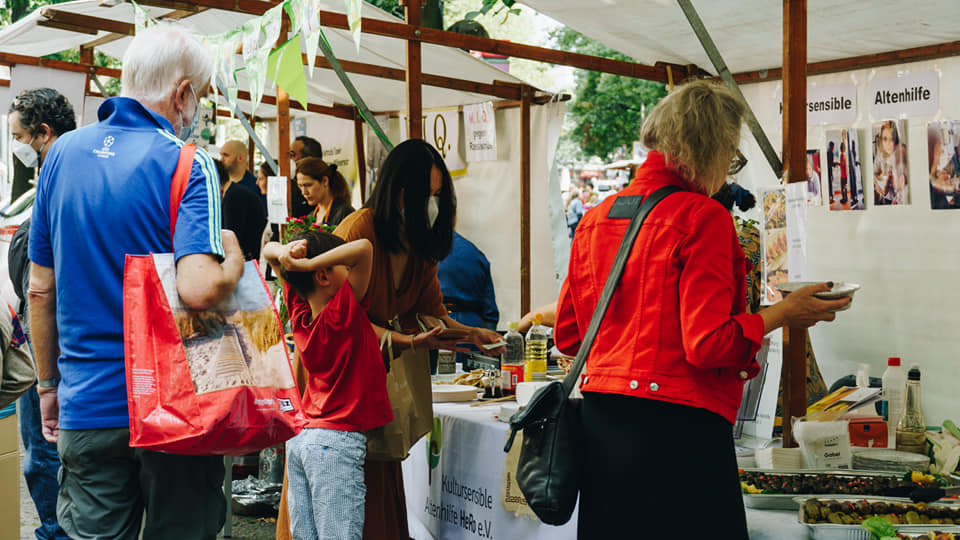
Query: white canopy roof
x=748 y=33
x=26 y=37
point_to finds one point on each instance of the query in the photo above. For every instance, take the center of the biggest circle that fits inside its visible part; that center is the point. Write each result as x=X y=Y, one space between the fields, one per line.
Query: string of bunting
x=283 y=64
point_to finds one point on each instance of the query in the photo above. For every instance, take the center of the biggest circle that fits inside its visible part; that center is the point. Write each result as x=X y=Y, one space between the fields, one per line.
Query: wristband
x=48 y=383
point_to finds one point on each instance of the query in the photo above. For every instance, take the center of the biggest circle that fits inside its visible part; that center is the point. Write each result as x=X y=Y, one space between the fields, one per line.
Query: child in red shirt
x=346 y=391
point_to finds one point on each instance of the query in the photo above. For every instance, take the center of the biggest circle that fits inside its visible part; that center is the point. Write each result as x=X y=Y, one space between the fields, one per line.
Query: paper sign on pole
x=914 y=94
x=797 y=230
x=480 y=129
x=827 y=104
x=277 y=199
x=441 y=128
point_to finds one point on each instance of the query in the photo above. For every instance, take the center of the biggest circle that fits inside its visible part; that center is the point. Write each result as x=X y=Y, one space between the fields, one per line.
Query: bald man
x=233 y=155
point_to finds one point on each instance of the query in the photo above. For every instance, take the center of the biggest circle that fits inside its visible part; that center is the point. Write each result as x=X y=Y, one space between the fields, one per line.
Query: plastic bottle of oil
x=535 y=353
x=911 y=430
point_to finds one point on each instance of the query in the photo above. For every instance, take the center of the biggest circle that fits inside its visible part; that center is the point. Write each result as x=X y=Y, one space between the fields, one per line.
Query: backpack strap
x=181 y=176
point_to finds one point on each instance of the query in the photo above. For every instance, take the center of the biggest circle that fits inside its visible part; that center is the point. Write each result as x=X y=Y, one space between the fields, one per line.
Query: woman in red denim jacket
x=665 y=375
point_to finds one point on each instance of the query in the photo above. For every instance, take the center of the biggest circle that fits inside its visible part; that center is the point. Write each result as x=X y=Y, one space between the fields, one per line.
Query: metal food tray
x=833 y=531
x=786 y=501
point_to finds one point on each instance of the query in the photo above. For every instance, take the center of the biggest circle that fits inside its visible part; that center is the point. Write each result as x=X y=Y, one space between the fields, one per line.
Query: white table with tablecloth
x=467 y=494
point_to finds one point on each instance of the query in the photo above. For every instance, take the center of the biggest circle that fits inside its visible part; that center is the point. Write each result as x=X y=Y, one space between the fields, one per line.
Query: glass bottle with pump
x=511 y=363
x=911 y=430
x=535 y=353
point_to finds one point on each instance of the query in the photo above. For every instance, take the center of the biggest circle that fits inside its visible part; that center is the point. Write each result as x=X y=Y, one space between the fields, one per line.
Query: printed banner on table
x=827 y=104
x=277 y=199
x=844 y=183
x=459 y=483
x=773 y=237
x=480 y=130
x=441 y=128
x=890 y=174
x=943 y=139
x=914 y=94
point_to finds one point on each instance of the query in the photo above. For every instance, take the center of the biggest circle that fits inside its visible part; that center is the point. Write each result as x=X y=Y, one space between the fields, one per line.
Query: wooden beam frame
x=916 y=54
x=80 y=21
x=414 y=71
x=8 y=59
x=794 y=377
x=451 y=39
x=525 y=199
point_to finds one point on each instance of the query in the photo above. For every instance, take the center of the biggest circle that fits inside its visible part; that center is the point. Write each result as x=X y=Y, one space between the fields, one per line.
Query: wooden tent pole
x=414 y=72
x=283 y=127
x=525 y=98
x=794 y=374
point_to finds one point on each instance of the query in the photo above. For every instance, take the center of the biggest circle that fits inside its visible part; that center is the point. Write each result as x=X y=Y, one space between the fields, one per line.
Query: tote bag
x=215 y=381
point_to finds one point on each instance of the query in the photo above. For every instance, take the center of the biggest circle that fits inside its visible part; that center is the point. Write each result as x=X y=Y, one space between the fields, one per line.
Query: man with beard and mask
x=36 y=118
x=103 y=193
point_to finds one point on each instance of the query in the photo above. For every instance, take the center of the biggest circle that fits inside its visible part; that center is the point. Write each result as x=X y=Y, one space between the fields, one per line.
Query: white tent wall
x=905 y=257
x=488 y=208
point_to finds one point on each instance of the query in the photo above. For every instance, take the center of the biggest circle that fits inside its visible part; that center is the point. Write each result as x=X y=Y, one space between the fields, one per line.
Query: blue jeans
x=326 y=492
x=40 y=466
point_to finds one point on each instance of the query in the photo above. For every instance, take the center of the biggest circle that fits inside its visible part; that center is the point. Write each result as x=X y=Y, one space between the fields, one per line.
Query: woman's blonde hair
x=697 y=126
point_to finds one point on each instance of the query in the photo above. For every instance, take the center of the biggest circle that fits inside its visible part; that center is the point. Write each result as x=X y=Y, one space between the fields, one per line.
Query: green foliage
x=393 y=6
x=14 y=10
x=488 y=5
x=607 y=110
x=73 y=55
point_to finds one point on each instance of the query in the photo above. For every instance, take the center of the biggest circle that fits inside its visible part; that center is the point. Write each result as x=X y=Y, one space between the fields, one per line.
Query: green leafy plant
x=297 y=225
x=489 y=5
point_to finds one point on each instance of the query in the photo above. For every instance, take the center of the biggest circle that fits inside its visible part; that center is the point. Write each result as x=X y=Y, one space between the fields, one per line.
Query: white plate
x=840 y=289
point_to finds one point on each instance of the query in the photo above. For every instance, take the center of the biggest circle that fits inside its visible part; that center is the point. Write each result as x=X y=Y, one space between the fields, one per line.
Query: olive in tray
x=760 y=482
x=855 y=512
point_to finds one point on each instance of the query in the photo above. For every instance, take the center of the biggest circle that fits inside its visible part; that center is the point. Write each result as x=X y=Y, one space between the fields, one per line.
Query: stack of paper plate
x=779 y=458
x=454 y=392
x=885 y=459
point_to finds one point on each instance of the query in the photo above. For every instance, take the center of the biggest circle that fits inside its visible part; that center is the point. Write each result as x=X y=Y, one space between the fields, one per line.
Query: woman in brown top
x=409 y=219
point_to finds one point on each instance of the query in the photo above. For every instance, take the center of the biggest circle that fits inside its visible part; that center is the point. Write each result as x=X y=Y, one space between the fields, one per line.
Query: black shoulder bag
x=548 y=473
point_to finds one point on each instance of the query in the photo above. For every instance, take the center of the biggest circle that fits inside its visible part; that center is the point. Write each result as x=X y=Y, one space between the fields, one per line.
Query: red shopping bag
x=217 y=381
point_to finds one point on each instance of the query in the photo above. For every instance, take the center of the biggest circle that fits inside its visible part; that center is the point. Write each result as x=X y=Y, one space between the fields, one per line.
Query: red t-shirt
x=347 y=383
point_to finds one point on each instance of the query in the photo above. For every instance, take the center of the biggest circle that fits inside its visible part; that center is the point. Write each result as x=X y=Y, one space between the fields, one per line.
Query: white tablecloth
x=461 y=498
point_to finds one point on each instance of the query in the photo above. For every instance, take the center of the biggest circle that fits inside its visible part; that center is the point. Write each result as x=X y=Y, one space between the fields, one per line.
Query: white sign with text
x=827 y=104
x=914 y=94
x=277 y=199
x=441 y=128
x=480 y=130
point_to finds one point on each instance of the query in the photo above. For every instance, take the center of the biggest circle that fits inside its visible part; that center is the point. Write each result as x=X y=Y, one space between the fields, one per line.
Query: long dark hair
x=406 y=175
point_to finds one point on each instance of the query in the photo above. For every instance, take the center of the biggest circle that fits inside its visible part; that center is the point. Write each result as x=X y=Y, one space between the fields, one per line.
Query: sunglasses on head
x=737 y=163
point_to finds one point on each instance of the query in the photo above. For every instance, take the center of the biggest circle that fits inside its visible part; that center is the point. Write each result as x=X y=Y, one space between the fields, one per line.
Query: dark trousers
x=40 y=466
x=105 y=487
x=651 y=467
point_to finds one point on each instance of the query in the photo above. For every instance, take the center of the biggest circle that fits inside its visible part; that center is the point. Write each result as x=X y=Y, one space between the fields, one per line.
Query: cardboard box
x=9 y=478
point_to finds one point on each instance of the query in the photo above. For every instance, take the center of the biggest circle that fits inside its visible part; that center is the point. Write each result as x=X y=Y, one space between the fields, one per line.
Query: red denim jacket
x=676 y=329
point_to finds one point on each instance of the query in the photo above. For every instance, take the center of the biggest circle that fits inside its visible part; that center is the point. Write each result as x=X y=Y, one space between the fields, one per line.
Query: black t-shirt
x=245 y=215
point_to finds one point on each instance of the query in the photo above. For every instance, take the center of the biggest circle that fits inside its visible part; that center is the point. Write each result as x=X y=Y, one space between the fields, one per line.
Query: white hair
x=160 y=57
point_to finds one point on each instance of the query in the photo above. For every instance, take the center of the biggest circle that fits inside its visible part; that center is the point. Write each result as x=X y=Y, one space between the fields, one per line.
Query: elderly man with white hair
x=103 y=193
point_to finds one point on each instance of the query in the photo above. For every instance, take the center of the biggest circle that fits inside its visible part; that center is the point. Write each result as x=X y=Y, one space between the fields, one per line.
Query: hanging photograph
x=844 y=183
x=774 y=238
x=890 y=176
x=943 y=163
x=813 y=177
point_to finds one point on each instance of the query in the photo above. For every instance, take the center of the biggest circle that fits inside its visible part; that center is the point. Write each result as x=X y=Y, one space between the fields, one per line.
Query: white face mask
x=187 y=129
x=26 y=154
x=433 y=209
